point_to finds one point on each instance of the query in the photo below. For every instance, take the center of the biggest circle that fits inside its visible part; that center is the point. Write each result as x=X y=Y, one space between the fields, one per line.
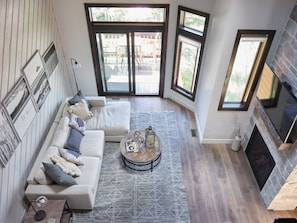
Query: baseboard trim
x=216 y=141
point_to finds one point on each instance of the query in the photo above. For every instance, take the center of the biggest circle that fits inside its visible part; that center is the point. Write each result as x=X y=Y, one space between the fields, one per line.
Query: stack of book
x=132 y=145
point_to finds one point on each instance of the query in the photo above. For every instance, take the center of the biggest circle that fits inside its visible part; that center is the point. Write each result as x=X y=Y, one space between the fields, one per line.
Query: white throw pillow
x=81 y=110
x=67 y=167
x=71 y=156
x=61 y=134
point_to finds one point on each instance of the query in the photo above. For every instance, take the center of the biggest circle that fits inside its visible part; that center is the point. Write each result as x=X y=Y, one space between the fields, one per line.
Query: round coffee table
x=143 y=160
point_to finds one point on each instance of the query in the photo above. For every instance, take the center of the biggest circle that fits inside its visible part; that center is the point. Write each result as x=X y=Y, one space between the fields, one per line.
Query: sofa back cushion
x=40 y=177
x=61 y=134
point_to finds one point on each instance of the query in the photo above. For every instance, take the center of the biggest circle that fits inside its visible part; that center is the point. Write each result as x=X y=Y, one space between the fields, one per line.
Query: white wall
x=26 y=26
x=226 y=17
x=229 y=16
x=76 y=41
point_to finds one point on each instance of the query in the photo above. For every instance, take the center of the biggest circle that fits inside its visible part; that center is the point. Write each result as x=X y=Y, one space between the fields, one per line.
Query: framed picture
x=8 y=138
x=25 y=118
x=33 y=68
x=16 y=99
x=50 y=58
x=41 y=89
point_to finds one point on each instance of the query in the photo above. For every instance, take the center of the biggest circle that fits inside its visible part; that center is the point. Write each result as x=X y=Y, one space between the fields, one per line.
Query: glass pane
x=147 y=62
x=194 y=21
x=268 y=85
x=115 y=56
x=119 y=14
x=242 y=67
x=189 y=55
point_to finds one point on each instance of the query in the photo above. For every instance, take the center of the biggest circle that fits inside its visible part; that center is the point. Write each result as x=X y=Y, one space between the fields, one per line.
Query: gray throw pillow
x=57 y=175
x=77 y=97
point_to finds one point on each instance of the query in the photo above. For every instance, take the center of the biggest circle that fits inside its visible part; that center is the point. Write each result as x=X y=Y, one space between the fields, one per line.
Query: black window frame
x=255 y=74
x=194 y=35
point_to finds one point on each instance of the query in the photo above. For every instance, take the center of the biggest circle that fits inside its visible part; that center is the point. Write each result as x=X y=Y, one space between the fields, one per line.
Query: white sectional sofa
x=110 y=122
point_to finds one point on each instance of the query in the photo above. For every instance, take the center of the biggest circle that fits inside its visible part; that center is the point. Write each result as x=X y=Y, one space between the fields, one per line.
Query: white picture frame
x=33 y=68
x=24 y=120
x=51 y=59
x=9 y=139
x=17 y=97
x=41 y=89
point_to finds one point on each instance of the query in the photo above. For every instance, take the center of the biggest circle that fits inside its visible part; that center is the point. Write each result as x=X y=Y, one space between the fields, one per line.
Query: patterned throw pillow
x=67 y=167
x=81 y=110
x=71 y=156
x=77 y=123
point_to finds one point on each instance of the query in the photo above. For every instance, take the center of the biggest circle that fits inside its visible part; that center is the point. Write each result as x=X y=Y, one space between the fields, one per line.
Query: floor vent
x=193 y=132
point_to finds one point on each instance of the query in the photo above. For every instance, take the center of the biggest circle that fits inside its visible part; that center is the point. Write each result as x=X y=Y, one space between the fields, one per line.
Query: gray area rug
x=128 y=196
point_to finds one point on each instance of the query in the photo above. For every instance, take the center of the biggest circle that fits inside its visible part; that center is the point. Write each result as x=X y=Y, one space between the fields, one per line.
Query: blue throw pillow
x=74 y=140
x=57 y=175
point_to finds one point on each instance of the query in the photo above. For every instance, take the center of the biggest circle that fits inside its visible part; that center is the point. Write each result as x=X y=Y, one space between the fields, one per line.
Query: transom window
x=191 y=34
x=127 y=14
x=247 y=60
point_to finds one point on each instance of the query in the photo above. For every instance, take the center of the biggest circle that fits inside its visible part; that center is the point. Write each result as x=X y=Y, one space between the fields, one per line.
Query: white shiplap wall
x=26 y=26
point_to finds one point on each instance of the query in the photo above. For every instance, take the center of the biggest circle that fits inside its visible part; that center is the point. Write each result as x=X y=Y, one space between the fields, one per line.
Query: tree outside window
x=191 y=34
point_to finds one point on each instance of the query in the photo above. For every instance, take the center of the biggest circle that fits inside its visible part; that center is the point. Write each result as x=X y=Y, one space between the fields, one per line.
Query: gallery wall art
x=50 y=59
x=8 y=138
x=21 y=104
x=16 y=99
x=24 y=120
x=41 y=90
x=33 y=68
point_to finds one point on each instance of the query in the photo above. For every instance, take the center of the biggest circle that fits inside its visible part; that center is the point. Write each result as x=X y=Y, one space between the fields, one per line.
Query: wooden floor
x=219 y=183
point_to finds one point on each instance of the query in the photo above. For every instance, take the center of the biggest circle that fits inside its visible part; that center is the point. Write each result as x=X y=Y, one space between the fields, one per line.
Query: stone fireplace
x=280 y=190
x=285 y=162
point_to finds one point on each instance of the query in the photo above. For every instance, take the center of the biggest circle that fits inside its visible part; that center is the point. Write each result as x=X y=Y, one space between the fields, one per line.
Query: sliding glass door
x=130 y=62
x=127 y=42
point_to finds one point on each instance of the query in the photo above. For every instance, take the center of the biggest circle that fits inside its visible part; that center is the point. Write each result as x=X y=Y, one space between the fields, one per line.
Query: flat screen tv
x=279 y=104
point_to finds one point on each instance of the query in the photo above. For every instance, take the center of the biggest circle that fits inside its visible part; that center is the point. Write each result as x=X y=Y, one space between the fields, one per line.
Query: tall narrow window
x=191 y=34
x=247 y=60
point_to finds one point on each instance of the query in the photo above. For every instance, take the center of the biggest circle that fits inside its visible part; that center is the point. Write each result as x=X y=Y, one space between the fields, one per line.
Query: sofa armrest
x=78 y=196
x=97 y=101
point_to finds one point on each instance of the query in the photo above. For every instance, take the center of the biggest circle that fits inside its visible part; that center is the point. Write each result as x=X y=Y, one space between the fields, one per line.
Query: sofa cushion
x=81 y=109
x=40 y=177
x=66 y=166
x=61 y=134
x=92 y=143
x=74 y=140
x=57 y=175
x=77 y=122
x=71 y=156
x=90 y=172
x=113 y=118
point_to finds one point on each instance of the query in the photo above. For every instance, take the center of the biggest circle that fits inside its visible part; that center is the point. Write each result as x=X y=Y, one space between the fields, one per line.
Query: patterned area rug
x=128 y=196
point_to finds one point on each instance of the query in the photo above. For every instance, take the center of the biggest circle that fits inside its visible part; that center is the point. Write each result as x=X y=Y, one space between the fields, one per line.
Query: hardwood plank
x=219 y=182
